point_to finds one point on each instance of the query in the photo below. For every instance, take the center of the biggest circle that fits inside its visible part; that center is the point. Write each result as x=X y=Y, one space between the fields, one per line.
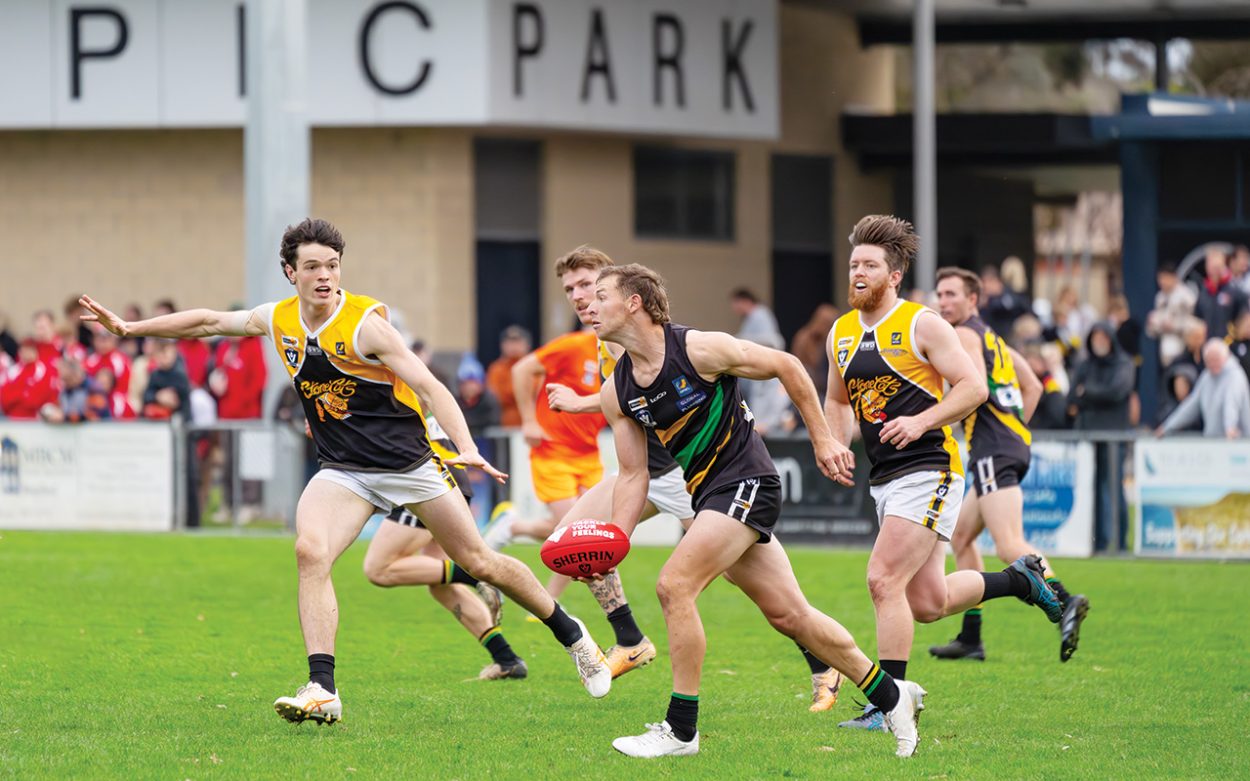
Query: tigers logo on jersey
x=869 y=397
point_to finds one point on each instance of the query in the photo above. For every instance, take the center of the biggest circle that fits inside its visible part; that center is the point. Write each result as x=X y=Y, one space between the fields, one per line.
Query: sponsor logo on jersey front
x=869 y=396
x=868 y=345
x=290 y=341
x=846 y=341
x=690 y=402
x=340 y=348
x=644 y=417
x=683 y=386
x=896 y=338
x=313 y=349
x=637 y=404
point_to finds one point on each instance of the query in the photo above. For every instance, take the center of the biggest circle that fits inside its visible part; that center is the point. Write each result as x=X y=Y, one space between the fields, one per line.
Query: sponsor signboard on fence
x=97 y=476
x=1194 y=498
x=1058 y=500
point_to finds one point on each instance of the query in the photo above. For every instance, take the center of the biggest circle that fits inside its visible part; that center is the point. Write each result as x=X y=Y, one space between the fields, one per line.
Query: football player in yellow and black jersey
x=889 y=359
x=359 y=385
x=682 y=384
x=999 y=450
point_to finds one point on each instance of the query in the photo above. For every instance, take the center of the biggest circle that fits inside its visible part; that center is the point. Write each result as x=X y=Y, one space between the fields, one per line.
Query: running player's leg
x=449 y=519
x=327 y=519
x=764 y=574
x=967 y=645
x=901 y=549
x=541 y=528
x=1003 y=511
x=711 y=545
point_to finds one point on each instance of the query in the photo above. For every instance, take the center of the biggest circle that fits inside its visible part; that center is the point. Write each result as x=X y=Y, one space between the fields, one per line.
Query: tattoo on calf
x=608 y=592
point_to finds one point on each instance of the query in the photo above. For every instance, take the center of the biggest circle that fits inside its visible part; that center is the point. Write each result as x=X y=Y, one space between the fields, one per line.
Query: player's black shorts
x=990 y=473
x=403 y=516
x=756 y=501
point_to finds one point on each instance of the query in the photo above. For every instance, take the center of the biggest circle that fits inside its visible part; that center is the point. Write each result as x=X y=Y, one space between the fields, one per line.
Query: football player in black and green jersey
x=999 y=448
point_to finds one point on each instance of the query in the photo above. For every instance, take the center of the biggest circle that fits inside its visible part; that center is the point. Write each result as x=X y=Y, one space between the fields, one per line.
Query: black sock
x=1057 y=586
x=896 y=668
x=815 y=664
x=1008 y=583
x=623 y=624
x=879 y=687
x=971 y=632
x=321 y=670
x=683 y=715
x=500 y=652
x=564 y=628
x=454 y=573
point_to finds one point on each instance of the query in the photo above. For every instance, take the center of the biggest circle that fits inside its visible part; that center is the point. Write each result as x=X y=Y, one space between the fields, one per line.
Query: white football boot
x=657 y=741
x=310 y=702
x=592 y=665
x=904 y=720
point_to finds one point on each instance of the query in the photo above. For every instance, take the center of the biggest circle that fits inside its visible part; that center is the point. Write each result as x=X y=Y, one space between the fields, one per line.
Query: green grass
x=137 y=656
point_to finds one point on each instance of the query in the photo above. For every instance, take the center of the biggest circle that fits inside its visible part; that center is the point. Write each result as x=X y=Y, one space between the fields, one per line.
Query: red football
x=585 y=548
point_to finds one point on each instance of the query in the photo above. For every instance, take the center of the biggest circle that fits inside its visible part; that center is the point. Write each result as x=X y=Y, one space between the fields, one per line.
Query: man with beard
x=888 y=360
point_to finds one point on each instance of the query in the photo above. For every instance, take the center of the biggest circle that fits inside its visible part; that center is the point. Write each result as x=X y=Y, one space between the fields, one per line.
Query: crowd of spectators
x=75 y=372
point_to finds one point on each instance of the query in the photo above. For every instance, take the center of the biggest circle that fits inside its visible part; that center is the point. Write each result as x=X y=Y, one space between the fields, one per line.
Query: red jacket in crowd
x=241 y=362
x=26 y=388
x=116 y=360
x=195 y=354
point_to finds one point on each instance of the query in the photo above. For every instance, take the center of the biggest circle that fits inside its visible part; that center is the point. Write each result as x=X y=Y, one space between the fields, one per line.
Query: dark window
x=683 y=193
x=1198 y=182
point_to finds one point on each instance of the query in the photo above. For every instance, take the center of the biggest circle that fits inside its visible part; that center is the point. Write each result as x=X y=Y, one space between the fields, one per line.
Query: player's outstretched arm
x=189 y=324
x=629 y=495
x=713 y=353
x=378 y=337
x=1030 y=384
x=938 y=343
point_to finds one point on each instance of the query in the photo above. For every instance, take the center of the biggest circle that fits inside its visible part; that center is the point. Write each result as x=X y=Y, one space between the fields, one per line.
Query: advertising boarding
x=1194 y=498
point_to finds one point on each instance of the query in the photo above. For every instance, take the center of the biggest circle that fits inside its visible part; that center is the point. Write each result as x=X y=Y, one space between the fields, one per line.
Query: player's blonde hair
x=638 y=280
x=584 y=256
x=893 y=234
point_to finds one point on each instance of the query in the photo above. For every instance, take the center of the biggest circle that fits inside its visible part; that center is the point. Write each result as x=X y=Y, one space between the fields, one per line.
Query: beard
x=868 y=299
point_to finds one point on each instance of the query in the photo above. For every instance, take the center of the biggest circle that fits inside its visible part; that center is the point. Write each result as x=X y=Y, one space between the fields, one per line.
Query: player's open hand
x=901 y=432
x=836 y=462
x=597 y=577
x=98 y=314
x=474 y=459
x=562 y=398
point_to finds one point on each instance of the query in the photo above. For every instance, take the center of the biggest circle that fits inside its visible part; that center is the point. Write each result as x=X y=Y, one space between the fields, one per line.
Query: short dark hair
x=972 y=283
x=637 y=280
x=1166 y=267
x=584 y=256
x=894 y=235
x=309 y=231
x=744 y=294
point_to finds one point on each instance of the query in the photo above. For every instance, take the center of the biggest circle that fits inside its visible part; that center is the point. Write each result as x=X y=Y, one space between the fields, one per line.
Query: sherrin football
x=585 y=548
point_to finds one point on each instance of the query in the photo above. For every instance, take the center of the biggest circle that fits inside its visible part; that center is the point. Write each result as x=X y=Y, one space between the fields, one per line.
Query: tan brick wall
x=126 y=216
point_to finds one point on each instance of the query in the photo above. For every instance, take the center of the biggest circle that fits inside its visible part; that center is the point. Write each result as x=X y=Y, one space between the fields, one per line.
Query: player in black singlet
x=683 y=385
x=999 y=447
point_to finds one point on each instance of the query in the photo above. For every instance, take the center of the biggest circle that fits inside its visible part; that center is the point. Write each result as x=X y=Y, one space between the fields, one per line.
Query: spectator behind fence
x=194 y=352
x=1174 y=305
x=514 y=344
x=75 y=334
x=119 y=407
x=767 y=399
x=1239 y=265
x=808 y=345
x=1240 y=347
x=1006 y=297
x=1052 y=408
x=29 y=384
x=8 y=342
x=105 y=345
x=81 y=398
x=1102 y=384
x=238 y=378
x=1194 y=336
x=47 y=340
x=168 y=391
x=1178 y=383
x=1221 y=398
x=1219 y=301
x=480 y=407
x=759 y=324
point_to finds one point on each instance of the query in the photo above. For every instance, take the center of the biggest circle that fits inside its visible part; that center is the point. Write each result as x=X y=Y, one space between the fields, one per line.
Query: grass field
x=136 y=656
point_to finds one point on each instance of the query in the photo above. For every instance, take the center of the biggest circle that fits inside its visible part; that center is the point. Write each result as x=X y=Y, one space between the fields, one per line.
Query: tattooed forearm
x=609 y=592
